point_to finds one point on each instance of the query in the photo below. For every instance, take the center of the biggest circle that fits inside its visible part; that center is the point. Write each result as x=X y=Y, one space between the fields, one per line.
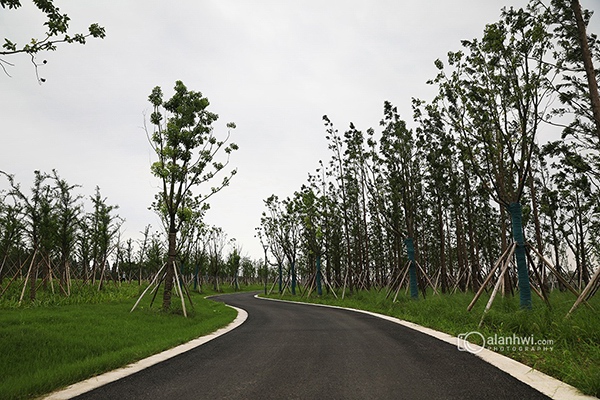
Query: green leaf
x=8 y=45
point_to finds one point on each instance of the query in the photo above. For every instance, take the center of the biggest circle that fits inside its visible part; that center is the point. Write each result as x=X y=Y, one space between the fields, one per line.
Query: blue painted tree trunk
x=319 y=288
x=412 y=268
x=516 y=214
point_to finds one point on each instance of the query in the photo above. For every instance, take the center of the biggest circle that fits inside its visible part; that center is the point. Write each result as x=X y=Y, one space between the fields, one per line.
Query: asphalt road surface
x=292 y=351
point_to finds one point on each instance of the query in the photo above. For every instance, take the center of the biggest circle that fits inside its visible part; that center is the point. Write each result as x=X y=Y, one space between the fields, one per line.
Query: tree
x=577 y=200
x=310 y=208
x=499 y=86
x=234 y=263
x=282 y=225
x=272 y=230
x=217 y=240
x=11 y=233
x=186 y=147
x=104 y=226
x=39 y=223
x=440 y=178
x=67 y=211
x=403 y=175
x=249 y=269
x=57 y=32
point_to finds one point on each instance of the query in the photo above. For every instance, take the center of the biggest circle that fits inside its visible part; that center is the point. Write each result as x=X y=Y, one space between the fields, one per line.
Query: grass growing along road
x=571 y=350
x=59 y=341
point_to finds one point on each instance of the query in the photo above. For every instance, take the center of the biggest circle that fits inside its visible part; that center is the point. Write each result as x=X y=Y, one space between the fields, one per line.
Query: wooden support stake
x=555 y=272
x=495 y=291
x=426 y=277
x=510 y=250
x=189 y=296
x=538 y=293
x=178 y=289
x=345 y=281
x=401 y=282
x=393 y=285
x=586 y=290
x=273 y=286
x=50 y=274
x=25 y=284
x=329 y=285
x=543 y=293
x=27 y=277
x=310 y=288
x=149 y=286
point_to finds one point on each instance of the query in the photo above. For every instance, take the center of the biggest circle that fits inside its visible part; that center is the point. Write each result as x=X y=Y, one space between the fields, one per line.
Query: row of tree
x=479 y=171
x=46 y=234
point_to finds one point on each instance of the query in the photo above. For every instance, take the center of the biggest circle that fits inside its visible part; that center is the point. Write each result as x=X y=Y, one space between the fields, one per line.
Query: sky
x=274 y=67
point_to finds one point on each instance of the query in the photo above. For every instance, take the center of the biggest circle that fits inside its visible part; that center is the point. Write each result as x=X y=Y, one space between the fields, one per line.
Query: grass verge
x=567 y=349
x=58 y=341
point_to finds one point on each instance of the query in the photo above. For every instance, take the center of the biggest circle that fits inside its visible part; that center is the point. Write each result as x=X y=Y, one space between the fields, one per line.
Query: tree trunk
x=169 y=273
x=585 y=275
x=45 y=270
x=319 y=288
x=280 y=282
x=412 y=268
x=587 y=64
x=442 y=241
x=64 y=271
x=556 y=244
x=473 y=257
x=33 y=279
x=516 y=213
x=538 y=228
x=293 y=271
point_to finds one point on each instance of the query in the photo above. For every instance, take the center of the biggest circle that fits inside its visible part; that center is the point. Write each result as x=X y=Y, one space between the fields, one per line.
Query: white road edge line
x=541 y=382
x=111 y=376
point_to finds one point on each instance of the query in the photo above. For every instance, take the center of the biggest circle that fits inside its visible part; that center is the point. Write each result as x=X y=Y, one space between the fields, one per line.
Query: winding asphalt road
x=293 y=351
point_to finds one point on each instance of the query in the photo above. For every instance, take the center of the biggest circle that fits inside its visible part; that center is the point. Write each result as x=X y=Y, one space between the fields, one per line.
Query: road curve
x=295 y=351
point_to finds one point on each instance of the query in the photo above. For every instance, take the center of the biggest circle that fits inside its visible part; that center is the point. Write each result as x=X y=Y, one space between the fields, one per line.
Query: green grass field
x=58 y=341
x=570 y=350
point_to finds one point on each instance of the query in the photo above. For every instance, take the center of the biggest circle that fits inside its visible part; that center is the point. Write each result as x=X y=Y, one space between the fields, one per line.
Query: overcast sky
x=273 y=67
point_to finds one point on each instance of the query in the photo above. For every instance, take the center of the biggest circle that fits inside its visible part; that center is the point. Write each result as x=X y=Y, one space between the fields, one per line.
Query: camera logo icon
x=470 y=342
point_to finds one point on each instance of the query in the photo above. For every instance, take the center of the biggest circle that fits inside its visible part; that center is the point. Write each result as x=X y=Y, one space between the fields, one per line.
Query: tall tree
x=68 y=209
x=340 y=175
x=104 y=225
x=234 y=263
x=311 y=214
x=38 y=221
x=283 y=225
x=217 y=240
x=270 y=226
x=187 y=148
x=437 y=146
x=11 y=233
x=499 y=86
x=403 y=173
